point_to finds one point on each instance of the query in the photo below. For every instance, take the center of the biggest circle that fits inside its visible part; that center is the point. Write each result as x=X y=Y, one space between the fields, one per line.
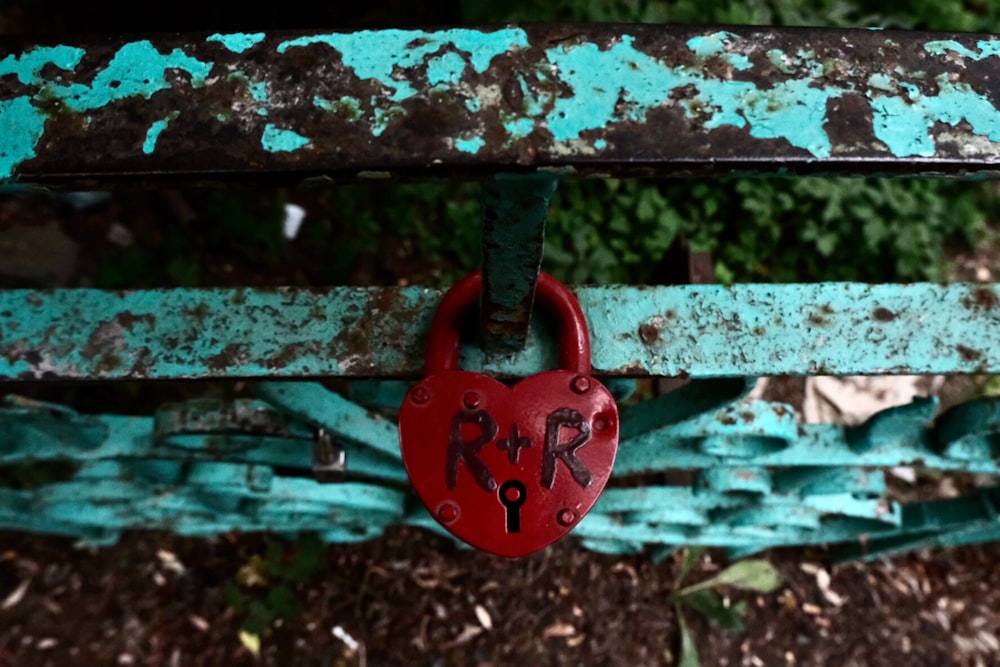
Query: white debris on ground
x=852 y=400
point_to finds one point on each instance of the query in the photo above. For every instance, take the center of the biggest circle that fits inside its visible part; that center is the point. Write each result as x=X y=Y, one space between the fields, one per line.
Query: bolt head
x=580 y=384
x=419 y=395
x=566 y=517
x=472 y=400
x=448 y=512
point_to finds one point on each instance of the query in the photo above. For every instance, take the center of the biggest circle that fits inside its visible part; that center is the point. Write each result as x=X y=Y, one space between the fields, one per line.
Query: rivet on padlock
x=509 y=469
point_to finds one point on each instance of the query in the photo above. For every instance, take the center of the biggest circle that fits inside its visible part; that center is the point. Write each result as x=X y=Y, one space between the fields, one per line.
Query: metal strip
x=514 y=211
x=622 y=99
x=694 y=330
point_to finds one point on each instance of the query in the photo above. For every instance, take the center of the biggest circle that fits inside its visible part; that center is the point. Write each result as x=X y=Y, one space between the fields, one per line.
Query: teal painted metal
x=695 y=330
x=201 y=468
x=514 y=212
x=503 y=99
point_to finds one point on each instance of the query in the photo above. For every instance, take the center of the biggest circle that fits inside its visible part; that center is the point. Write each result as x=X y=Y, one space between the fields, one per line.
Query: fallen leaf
x=559 y=629
x=468 y=632
x=170 y=562
x=16 y=595
x=484 y=617
x=251 y=642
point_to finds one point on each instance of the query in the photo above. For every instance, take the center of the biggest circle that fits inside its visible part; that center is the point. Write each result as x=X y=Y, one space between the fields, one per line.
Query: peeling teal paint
x=987 y=49
x=446 y=68
x=349 y=106
x=153 y=133
x=22 y=127
x=793 y=110
x=600 y=144
x=278 y=140
x=706 y=46
x=28 y=67
x=473 y=104
x=779 y=60
x=258 y=90
x=383 y=116
x=469 y=145
x=238 y=42
x=137 y=69
x=904 y=123
x=374 y=54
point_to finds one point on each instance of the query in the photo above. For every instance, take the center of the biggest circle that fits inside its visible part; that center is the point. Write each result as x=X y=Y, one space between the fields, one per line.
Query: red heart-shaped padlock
x=509 y=469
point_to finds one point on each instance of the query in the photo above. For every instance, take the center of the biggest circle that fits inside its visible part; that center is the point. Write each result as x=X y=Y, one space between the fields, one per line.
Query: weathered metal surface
x=693 y=330
x=514 y=212
x=811 y=484
x=461 y=101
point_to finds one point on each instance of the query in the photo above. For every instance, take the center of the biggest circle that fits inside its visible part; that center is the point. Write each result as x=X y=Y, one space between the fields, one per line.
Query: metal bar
x=514 y=211
x=599 y=99
x=694 y=330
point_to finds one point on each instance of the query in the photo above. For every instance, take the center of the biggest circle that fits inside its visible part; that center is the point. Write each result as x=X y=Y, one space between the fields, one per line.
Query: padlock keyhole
x=512 y=495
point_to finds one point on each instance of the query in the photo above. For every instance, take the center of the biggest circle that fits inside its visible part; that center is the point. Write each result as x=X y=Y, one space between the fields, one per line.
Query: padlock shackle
x=552 y=295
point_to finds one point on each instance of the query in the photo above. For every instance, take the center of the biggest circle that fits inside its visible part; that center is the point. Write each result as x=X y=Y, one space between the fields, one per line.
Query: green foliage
x=268 y=587
x=749 y=575
x=778 y=230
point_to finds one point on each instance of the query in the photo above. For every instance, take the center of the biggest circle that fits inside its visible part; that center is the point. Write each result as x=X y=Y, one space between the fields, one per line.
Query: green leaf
x=710 y=605
x=752 y=575
x=689 y=558
x=689 y=652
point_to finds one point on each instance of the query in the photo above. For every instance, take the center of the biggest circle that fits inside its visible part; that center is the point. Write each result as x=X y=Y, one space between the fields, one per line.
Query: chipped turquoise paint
x=779 y=60
x=278 y=140
x=29 y=65
x=21 y=127
x=793 y=110
x=446 y=68
x=374 y=54
x=904 y=123
x=258 y=90
x=348 y=104
x=469 y=145
x=473 y=104
x=987 y=49
x=705 y=46
x=152 y=134
x=137 y=69
x=600 y=144
x=238 y=42
x=383 y=116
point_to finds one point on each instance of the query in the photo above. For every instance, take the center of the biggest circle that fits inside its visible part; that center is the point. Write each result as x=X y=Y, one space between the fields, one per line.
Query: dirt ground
x=409 y=598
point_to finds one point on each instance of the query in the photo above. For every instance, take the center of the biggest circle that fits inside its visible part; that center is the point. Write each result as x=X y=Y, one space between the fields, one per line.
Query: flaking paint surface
x=576 y=89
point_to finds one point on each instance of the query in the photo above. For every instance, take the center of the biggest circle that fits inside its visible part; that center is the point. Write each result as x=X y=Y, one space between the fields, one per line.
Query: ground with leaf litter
x=410 y=598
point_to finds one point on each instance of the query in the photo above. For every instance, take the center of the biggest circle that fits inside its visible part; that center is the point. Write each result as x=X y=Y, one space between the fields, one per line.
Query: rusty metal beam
x=694 y=330
x=467 y=102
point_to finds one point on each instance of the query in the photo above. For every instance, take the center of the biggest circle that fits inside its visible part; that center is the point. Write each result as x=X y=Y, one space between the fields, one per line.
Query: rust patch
x=727 y=420
x=747 y=417
x=127 y=320
x=649 y=333
x=981 y=297
x=884 y=314
x=230 y=355
x=968 y=354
